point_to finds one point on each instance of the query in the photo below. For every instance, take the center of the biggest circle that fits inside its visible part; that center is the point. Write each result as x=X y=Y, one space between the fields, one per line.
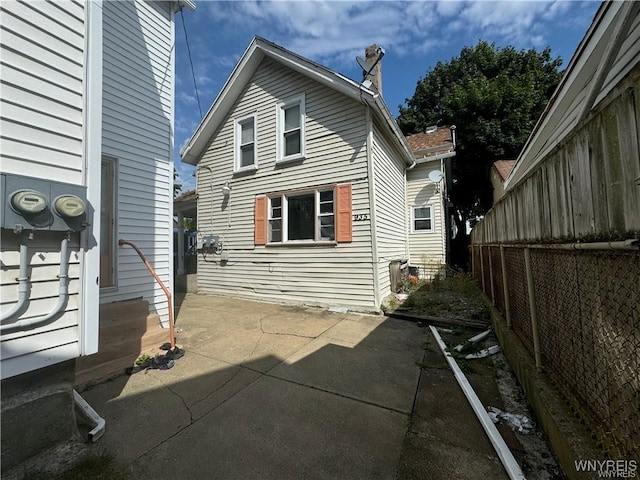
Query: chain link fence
x=578 y=313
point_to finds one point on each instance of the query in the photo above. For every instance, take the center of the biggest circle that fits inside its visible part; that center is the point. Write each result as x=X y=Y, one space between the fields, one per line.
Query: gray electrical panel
x=38 y=204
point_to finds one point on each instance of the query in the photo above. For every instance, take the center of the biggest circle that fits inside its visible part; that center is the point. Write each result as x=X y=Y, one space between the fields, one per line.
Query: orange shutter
x=344 y=230
x=260 y=222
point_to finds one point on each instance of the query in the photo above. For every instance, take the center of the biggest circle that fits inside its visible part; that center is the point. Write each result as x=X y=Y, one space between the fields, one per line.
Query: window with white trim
x=245 y=143
x=290 y=129
x=422 y=219
x=302 y=217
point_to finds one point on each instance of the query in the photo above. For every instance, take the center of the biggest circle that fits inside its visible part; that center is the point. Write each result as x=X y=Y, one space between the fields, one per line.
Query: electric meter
x=69 y=206
x=28 y=202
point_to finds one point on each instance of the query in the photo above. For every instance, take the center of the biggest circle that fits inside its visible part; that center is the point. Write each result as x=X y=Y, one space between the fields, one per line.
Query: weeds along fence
x=576 y=308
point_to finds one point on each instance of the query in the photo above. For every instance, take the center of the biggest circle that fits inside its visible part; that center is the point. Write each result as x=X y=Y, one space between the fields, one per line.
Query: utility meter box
x=38 y=204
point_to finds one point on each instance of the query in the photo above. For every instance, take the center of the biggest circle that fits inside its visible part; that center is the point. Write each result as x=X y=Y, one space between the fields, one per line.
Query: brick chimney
x=372 y=54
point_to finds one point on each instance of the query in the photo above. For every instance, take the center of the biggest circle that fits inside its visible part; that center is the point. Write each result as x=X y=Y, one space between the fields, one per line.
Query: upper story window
x=422 y=219
x=290 y=131
x=245 y=143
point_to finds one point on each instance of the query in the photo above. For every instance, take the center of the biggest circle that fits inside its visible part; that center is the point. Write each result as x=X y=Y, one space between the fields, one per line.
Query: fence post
x=532 y=309
x=493 y=295
x=482 y=268
x=507 y=309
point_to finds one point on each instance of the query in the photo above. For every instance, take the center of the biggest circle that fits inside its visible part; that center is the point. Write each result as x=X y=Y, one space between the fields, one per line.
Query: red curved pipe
x=162 y=285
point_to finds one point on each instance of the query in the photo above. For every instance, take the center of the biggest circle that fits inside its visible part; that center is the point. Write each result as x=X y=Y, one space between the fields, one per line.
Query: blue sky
x=415 y=36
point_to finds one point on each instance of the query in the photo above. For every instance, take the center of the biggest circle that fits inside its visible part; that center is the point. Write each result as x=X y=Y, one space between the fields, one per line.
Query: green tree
x=494 y=96
x=177 y=187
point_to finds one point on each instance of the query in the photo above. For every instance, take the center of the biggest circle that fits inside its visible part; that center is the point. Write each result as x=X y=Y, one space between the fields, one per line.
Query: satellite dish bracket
x=361 y=61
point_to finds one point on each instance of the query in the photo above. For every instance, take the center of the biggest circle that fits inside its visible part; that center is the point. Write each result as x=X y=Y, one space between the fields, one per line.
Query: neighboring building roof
x=503 y=168
x=433 y=141
x=260 y=48
x=186 y=204
x=608 y=52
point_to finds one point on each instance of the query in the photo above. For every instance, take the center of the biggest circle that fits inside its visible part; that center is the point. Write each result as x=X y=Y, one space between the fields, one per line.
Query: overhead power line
x=193 y=73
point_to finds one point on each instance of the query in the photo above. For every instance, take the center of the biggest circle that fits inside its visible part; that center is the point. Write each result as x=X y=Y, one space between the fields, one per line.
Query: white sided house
x=429 y=228
x=301 y=185
x=86 y=149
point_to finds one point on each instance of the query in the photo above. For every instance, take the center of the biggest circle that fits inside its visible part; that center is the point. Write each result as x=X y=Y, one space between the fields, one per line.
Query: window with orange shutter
x=309 y=216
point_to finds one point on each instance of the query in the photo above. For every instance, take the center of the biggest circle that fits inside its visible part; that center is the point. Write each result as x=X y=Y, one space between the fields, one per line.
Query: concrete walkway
x=268 y=392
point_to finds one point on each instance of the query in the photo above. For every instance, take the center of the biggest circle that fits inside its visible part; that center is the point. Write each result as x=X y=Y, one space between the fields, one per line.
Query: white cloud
x=333 y=32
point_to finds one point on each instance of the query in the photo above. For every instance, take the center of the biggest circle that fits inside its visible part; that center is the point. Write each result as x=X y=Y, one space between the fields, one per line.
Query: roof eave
x=190 y=4
x=384 y=112
x=192 y=150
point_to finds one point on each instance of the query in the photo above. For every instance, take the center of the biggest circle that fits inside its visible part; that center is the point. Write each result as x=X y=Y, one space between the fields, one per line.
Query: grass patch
x=94 y=467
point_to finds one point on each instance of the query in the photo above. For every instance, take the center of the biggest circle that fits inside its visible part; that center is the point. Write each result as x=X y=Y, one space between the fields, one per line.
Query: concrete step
x=127 y=330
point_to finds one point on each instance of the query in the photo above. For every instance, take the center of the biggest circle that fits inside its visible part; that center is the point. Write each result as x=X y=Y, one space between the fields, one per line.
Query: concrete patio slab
x=385 y=377
x=266 y=391
x=274 y=429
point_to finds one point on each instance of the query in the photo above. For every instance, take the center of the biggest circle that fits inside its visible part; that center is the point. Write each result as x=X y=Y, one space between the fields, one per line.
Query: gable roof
x=503 y=168
x=258 y=49
x=432 y=142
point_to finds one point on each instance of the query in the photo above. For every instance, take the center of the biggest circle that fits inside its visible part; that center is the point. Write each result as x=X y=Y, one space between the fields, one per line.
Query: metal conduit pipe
x=63 y=295
x=23 y=280
x=172 y=337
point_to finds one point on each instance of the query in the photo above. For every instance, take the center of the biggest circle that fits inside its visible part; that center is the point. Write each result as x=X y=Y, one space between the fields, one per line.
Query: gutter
x=90 y=414
x=433 y=158
x=506 y=457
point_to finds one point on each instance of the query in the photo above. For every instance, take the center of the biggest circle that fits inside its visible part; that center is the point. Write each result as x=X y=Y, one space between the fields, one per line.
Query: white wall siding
x=426 y=249
x=41 y=135
x=137 y=133
x=42 y=52
x=25 y=350
x=389 y=168
x=335 y=153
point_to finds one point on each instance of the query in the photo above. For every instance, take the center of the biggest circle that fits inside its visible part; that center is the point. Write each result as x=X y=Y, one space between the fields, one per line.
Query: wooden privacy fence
x=576 y=308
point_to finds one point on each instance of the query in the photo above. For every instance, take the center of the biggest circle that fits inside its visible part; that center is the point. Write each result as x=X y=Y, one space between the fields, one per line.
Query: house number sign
x=360 y=217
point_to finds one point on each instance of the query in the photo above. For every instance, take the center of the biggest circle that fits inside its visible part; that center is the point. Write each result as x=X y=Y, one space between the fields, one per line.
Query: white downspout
x=23 y=280
x=372 y=208
x=90 y=414
x=63 y=294
x=506 y=457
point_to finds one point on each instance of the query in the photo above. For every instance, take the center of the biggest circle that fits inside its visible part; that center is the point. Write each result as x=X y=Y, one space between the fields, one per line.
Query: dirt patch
x=455 y=296
x=539 y=462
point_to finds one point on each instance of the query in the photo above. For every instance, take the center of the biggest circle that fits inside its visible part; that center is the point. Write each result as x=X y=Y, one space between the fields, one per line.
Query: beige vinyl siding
x=42 y=53
x=335 y=153
x=389 y=167
x=426 y=249
x=41 y=135
x=137 y=133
